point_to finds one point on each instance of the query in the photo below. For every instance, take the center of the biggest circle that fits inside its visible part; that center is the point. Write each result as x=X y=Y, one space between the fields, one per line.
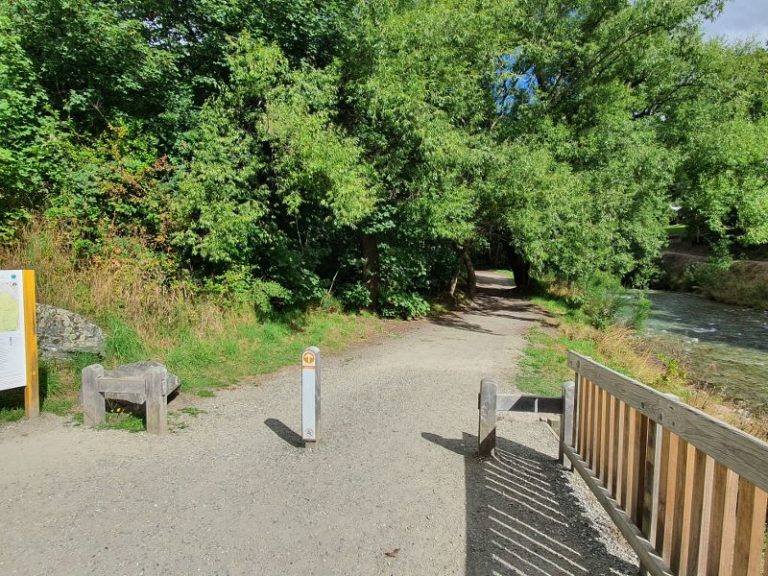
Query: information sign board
x=18 y=339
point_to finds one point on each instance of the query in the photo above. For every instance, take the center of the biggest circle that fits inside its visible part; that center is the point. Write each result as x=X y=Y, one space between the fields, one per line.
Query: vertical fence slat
x=622 y=456
x=706 y=515
x=686 y=518
x=697 y=507
x=750 y=529
x=589 y=435
x=650 y=480
x=678 y=511
x=662 y=459
x=606 y=450
x=600 y=395
x=639 y=456
x=632 y=464
x=669 y=498
x=615 y=448
x=625 y=448
x=728 y=538
x=581 y=415
x=710 y=558
x=595 y=427
x=758 y=532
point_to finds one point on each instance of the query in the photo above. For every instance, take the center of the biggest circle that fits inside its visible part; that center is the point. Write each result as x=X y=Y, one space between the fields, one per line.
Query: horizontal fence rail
x=687 y=490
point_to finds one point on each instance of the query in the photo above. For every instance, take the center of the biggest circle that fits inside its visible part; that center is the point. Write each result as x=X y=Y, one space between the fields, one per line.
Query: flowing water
x=724 y=346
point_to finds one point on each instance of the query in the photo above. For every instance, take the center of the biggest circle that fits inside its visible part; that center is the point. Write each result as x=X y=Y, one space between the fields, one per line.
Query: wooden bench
x=147 y=383
x=687 y=491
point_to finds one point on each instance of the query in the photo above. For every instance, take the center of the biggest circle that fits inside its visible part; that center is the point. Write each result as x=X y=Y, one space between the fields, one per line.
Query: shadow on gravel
x=455 y=321
x=523 y=518
x=284 y=432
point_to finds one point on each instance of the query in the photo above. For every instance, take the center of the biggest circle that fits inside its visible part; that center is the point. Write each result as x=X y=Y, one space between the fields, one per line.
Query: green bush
x=599 y=297
x=356 y=296
x=406 y=306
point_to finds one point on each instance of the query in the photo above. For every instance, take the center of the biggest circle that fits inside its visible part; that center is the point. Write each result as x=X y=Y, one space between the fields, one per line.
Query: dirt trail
x=393 y=487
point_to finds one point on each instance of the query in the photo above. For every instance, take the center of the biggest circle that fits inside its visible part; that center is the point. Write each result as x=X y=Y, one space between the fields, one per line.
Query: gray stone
x=61 y=333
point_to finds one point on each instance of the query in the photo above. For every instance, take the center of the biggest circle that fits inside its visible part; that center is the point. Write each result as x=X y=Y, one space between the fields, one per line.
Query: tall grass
x=147 y=314
x=543 y=367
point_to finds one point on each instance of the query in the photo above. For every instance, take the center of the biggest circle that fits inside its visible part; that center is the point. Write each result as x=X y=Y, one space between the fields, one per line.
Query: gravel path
x=393 y=487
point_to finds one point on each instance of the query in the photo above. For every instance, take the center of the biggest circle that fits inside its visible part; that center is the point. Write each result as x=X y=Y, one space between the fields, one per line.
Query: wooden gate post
x=486 y=434
x=566 y=422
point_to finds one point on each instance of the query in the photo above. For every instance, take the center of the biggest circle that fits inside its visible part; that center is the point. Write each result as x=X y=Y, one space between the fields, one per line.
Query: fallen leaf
x=392 y=554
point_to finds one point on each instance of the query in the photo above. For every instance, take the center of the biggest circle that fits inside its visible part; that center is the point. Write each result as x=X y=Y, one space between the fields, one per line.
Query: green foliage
x=641 y=311
x=262 y=152
x=123 y=343
x=406 y=306
x=356 y=296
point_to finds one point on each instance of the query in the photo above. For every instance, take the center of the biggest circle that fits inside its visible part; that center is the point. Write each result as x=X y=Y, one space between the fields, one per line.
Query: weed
x=123 y=421
x=192 y=411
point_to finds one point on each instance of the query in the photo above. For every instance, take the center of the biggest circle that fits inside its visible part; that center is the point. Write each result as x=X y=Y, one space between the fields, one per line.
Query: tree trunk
x=471 y=276
x=521 y=269
x=371 y=268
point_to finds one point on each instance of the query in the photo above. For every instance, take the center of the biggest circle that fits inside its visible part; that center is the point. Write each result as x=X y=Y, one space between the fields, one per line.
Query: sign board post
x=18 y=337
x=310 y=394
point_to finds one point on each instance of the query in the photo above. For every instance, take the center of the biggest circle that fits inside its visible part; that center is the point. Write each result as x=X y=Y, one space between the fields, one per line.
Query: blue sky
x=741 y=19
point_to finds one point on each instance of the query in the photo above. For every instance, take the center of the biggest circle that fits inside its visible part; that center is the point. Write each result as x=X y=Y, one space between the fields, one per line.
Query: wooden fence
x=687 y=490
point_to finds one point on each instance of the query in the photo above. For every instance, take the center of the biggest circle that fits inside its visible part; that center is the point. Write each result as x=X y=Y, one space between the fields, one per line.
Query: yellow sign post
x=18 y=337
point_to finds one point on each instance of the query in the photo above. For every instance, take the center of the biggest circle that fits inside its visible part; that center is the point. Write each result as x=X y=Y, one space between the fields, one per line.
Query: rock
x=61 y=333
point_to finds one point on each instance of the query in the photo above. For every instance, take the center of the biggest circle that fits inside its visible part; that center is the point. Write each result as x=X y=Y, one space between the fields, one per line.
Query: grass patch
x=11 y=414
x=544 y=368
x=244 y=347
x=208 y=343
x=123 y=421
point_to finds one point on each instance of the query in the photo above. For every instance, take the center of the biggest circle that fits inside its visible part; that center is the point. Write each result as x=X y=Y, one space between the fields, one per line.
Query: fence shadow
x=523 y=518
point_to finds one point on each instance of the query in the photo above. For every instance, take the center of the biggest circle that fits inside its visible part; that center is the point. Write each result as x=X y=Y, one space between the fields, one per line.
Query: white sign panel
x=13 y=350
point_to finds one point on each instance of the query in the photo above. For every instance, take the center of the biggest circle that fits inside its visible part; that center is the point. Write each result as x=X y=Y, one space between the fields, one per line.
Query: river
x=723 y=346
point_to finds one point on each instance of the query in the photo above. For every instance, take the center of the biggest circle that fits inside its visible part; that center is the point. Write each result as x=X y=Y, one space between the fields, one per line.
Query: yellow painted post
x=32 y=389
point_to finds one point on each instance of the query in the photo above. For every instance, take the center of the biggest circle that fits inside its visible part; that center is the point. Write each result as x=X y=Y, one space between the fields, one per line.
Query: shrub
x=406 y=306
x=356 y=296
x=600 y=299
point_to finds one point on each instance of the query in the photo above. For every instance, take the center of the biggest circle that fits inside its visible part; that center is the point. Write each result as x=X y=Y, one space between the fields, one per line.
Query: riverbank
x=743 y=282
x=657 y=362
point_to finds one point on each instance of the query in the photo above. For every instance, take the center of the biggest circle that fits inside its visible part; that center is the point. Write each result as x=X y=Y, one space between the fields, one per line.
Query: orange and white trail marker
x=310 y=394
x=18 y=337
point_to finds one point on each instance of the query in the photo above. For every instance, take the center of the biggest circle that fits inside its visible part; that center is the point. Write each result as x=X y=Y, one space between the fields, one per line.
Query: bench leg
x=94 y=404
x=157 y=403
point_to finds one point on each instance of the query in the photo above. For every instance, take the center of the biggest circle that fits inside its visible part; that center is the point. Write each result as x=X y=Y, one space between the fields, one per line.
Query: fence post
x=566 y=422
x=486 y=434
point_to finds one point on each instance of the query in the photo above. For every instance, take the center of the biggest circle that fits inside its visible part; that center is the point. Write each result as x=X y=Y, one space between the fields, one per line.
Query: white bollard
x=310 y=394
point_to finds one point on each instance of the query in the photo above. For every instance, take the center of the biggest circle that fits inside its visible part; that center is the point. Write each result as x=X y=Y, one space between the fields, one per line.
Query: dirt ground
x=393 y=486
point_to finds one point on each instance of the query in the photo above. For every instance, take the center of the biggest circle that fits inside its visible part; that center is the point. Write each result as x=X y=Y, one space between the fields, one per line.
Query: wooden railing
x=687 y=490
